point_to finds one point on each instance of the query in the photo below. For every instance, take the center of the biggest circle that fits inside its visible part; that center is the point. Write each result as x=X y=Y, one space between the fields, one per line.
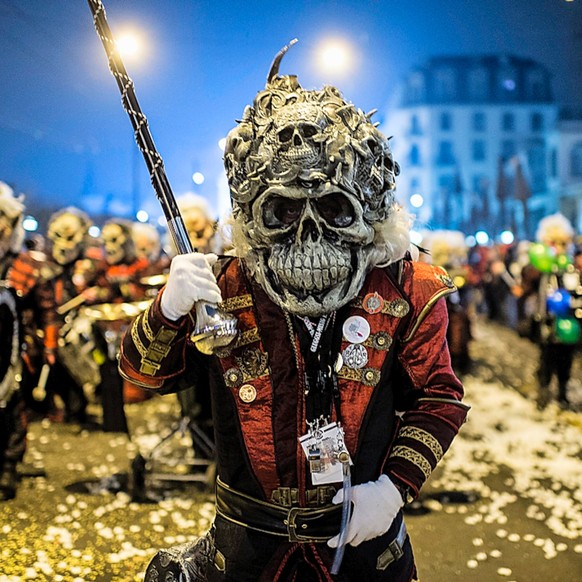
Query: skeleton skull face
x=118 y=242
x=147 y=241
x=295 y=139
x=199 y=227
x=309 y=247
x=67 y=231
x=6 y=231
x=312 y=184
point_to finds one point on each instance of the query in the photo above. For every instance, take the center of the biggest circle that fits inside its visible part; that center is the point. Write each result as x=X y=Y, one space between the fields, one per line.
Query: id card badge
x=322 y=447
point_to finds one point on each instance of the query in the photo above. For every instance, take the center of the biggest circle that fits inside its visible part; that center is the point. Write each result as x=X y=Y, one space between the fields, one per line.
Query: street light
x=129 y=45
x=335 y=56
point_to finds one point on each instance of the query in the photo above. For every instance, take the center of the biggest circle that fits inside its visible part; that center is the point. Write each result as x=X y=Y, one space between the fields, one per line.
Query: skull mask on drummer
x=11 y=215
x=118 y=242
x=312 y=188
x=67 y=233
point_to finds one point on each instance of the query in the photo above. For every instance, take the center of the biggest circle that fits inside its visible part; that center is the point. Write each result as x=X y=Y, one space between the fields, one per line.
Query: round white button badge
x=356 y=329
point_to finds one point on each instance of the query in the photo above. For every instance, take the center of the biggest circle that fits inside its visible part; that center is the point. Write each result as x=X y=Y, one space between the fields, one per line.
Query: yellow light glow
x=129 y=44
x=335 y=56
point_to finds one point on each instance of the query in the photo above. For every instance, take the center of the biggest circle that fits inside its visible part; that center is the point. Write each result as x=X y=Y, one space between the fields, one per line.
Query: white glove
x=190 y=280
x=375 y=505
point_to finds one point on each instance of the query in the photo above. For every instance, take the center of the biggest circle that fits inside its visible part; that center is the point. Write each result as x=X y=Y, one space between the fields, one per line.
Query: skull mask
x=310 y=180
x=197 y=220
x=67 y=232
x=147 y=241
x=118 y=242
x=11 y=215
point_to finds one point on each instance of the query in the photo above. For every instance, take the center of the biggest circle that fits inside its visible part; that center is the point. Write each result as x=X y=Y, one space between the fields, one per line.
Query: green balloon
x=563 y=261
x=541 y=257
x=567 y=330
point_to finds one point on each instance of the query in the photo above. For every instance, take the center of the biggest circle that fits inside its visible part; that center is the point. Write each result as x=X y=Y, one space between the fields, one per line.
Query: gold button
x=247 y=393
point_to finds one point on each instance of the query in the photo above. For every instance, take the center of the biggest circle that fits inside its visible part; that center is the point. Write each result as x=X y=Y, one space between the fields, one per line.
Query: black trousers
x=555 y=359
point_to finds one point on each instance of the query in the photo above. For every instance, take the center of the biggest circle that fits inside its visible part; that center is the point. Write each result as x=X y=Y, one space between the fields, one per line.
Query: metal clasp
x=291 y=525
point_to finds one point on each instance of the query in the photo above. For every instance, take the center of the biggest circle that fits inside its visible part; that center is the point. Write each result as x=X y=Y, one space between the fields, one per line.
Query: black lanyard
x=316 y=341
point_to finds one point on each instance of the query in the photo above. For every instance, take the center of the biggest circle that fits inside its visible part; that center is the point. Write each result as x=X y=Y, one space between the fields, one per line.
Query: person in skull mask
x=13 y=421
x=119 y=284
x=200 y=224
x=63 y=273
x=336 y=324
x=121 y=279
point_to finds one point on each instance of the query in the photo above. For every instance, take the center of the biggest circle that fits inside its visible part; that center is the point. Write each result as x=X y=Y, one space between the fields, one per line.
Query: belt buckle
x=291 y=525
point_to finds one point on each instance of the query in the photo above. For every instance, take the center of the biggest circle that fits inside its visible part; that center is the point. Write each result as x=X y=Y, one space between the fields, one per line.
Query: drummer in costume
x=340 y=371
x=119 y=288
x=13 y=421
x=69 y=271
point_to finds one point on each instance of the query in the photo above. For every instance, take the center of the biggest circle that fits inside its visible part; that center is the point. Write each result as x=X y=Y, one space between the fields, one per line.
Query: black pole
x=142 y=133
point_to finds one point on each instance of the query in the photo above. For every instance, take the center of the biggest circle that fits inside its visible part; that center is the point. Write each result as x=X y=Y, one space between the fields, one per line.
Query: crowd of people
x=532 y=287
x=65 y=299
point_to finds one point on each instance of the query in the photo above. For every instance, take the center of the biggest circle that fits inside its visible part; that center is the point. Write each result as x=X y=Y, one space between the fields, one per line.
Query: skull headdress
x=312 y=182
x=68 y=230
x=118 y=242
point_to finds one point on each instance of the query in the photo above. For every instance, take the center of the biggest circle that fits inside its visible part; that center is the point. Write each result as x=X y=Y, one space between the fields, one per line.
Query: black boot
x=8 y=481
x=544 y=397
x=563 y=401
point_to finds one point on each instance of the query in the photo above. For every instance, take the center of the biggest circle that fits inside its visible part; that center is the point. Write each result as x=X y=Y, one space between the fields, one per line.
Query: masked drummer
x=50 y=280
x=13 y=418
x=340 y=371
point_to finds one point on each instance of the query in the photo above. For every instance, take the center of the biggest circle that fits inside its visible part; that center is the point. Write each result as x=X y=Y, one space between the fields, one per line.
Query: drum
x=111 y=320
x=10 y=362
x=77 y=350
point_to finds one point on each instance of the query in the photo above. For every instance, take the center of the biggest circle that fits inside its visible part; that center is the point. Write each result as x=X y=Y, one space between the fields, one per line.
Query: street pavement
x=504 y=504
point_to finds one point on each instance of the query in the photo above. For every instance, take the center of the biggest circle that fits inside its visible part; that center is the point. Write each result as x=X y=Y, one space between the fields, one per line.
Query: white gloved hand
x=375 y=505
x=190 y=280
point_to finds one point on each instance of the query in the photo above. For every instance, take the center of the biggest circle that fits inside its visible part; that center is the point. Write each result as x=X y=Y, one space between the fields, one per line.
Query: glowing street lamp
x=198 y=178
x=335 y=56
x=129 y=45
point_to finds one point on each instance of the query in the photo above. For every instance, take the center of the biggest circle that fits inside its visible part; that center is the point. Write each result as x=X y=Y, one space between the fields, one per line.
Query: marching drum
x=77 y=350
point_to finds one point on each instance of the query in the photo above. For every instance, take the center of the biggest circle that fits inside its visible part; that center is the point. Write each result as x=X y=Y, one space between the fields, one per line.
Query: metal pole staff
x=214 y=328
x=141 y=129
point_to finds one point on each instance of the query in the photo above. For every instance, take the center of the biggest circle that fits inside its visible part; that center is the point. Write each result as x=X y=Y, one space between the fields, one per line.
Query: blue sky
x=65 y=138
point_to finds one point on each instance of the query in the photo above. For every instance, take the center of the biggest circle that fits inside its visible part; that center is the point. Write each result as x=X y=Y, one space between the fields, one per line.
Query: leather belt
x=297 y=524
x=395 y=549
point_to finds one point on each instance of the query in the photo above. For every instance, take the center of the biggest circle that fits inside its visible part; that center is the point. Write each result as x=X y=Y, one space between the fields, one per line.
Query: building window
x=479 y=150
x=416 y=88
x=478 y=85
x=507 y=149
x=414 y=156
x=479 y=183
x=576 y=160
x=536 y=158
x=508 y=122
x=554 y=163
x=446 y=121
x=479 y=121
x=415 y=128
x=536 y=86
x=537 y=122
x=444 y=85
x=445 y=155
x=447 y=182
x=507 y=85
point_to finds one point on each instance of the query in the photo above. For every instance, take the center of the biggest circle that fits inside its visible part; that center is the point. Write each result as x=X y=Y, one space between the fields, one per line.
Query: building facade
x=474 y=138
x=565 y=172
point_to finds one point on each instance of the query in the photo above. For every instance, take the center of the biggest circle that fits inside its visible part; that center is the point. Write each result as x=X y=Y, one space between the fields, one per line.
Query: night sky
x=65 y=138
